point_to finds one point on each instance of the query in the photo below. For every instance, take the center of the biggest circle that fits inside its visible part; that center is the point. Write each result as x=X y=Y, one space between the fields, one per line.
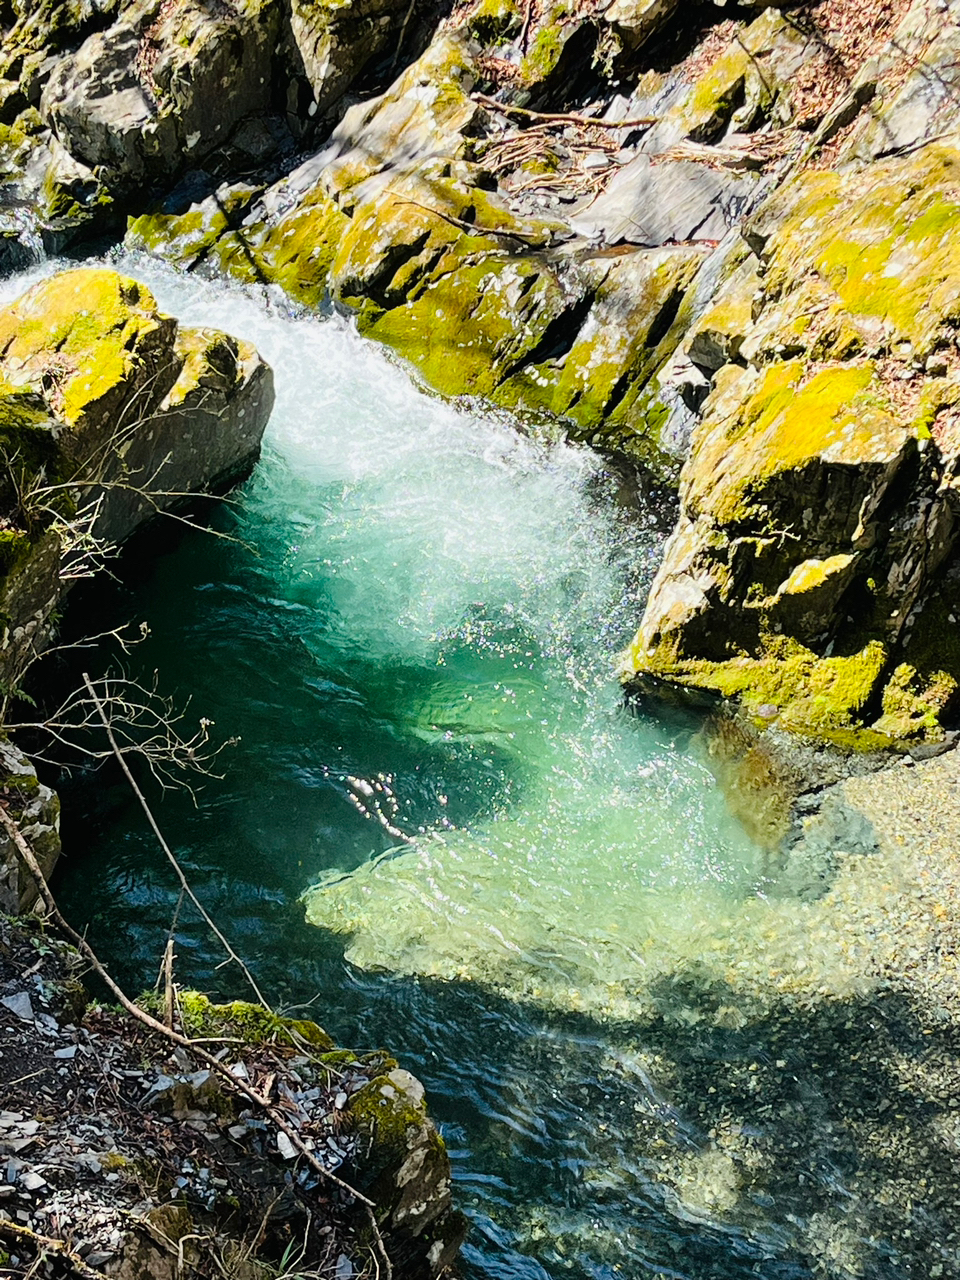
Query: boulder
x=818 y=506
x=109 y=412
x=335 y=42
x=163 y=87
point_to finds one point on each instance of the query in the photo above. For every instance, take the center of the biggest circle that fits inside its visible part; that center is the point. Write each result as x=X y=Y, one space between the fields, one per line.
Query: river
x=440 y=829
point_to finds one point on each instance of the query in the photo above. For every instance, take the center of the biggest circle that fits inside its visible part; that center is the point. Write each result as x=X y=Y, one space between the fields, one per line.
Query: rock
x=90 y=369
x=37 y=810
x=816 y=505
x=19 y=1005
x=99 y=387
x=407 y=1173
x=912 y=84
x=335 y=42
x=162 y=87
x=650 y=204
x=635 y=21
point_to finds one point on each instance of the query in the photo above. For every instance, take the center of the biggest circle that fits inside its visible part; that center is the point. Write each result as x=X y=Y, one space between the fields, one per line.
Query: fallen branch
x=13 y=1231
x=181 y=1041
x=565 y=117
x=471 y=227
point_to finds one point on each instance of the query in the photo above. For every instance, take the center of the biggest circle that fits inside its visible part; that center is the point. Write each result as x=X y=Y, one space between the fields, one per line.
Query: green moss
x=338 y=1058
x=881 y=244
x=27 y=441
x=14 y=547
x=791 y=416
x=78 y=333
x=495 y=21
x=299 y=251
x=240 y=1020
x=823 y=697
x=394 y=1124
x=543 y=55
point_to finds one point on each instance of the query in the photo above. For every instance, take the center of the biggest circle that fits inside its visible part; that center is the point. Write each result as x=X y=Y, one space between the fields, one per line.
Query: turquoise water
x=440 y=829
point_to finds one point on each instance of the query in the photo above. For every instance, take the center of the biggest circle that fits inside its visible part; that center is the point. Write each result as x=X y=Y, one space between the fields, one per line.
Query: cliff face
x=717 y=243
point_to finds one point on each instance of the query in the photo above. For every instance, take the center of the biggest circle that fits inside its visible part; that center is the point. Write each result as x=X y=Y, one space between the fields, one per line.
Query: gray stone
x=19 y=1004
x=161 y=88
x=39 y=819
x=671 y=202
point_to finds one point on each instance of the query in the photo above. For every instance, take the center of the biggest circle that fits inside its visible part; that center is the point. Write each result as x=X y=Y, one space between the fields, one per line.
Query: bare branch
x=184 y=883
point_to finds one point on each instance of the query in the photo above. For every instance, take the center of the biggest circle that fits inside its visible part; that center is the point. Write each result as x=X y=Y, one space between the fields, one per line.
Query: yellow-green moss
x=250 y=1023
x=494 y=21
x=180 y=237
x=791 y=416
x=299 y=251
x=811 y=694
x=80 y=331
x=394 y=1124
x=543 y=55
x=882 y=244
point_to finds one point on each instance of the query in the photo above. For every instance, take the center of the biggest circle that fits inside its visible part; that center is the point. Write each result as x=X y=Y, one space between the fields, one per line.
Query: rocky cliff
x=717 y=241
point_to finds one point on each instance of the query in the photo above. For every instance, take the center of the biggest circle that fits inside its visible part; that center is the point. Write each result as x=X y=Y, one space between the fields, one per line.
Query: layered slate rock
x=818 y=507
x=163 y=86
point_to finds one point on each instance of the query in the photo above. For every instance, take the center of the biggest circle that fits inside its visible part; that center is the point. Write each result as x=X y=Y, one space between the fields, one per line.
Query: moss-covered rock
x=105 y=400
x=36 y=810
x=817 y=504
x=406 y=1173
x=794 y=566
x=250 y=1023
x=862 y=259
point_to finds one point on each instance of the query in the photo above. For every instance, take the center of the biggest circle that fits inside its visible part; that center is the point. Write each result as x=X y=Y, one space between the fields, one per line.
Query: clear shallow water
x=414 y=640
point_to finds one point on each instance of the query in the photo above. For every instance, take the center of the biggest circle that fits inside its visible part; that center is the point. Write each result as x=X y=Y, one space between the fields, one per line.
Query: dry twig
x=563 y=117
x=184 y=883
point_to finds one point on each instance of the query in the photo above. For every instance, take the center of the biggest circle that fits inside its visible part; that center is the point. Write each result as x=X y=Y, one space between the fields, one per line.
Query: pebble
x=19 y=1005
